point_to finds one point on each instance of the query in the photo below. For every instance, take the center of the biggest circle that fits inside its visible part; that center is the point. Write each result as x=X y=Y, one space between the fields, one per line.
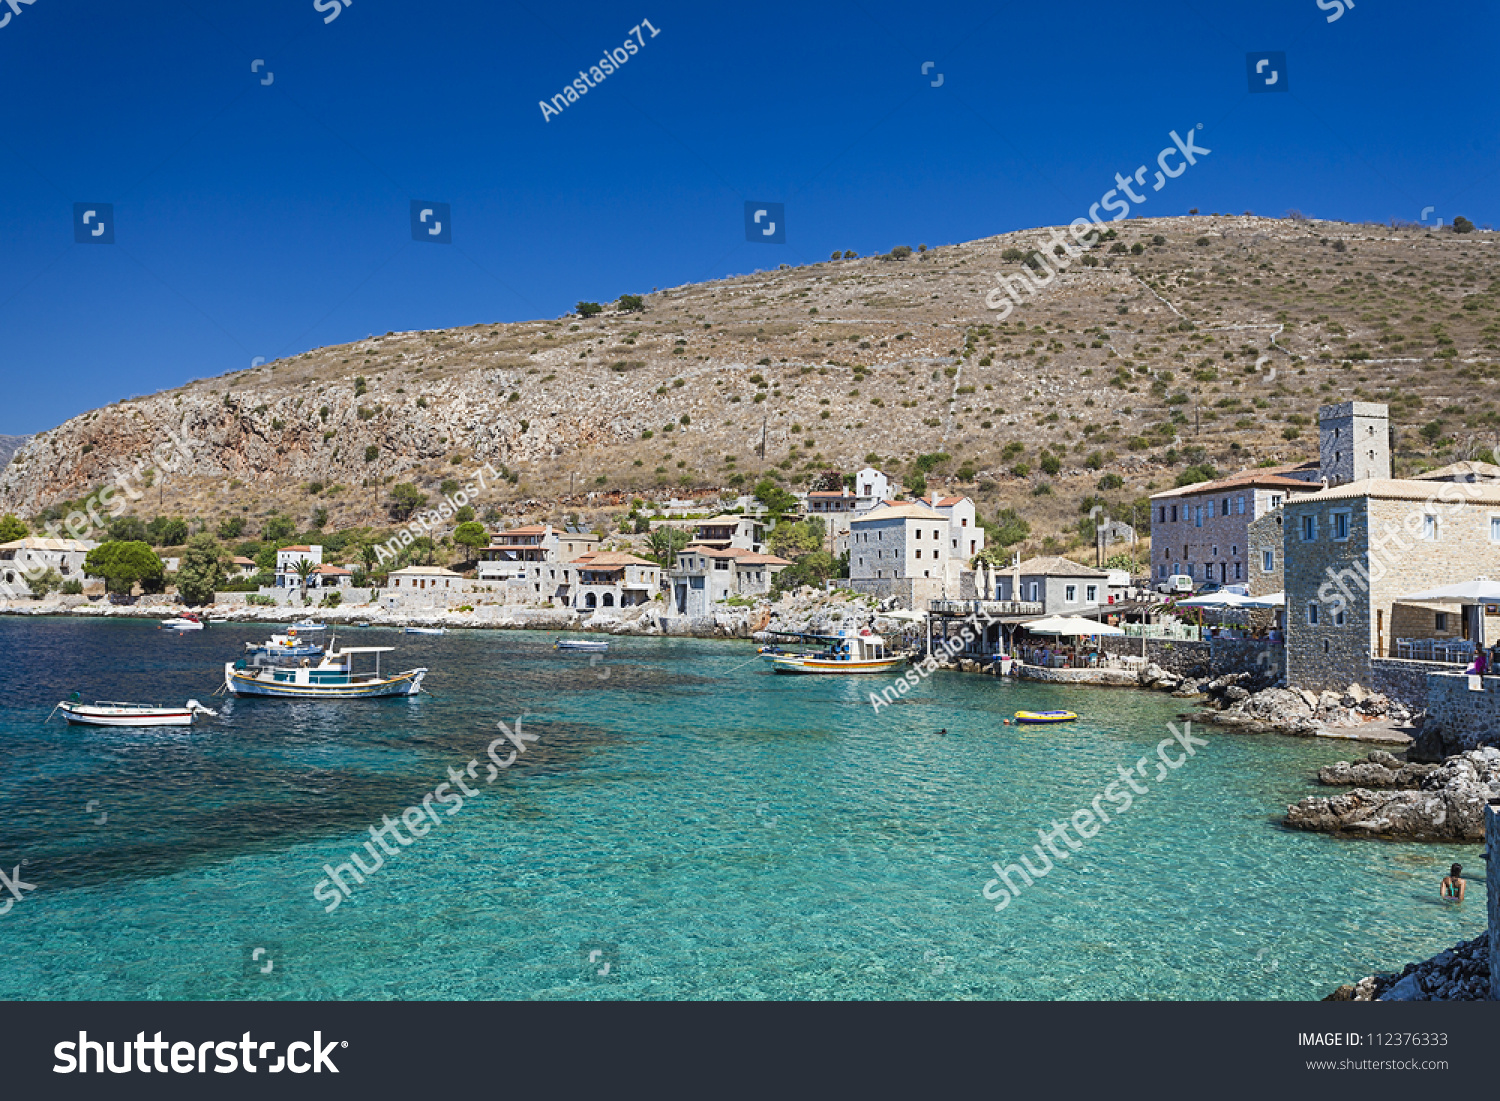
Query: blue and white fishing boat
x=332 y=678
x=310 y=625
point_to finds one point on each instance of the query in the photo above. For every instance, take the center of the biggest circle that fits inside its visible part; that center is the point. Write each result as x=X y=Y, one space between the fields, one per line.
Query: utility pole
x=763 y=421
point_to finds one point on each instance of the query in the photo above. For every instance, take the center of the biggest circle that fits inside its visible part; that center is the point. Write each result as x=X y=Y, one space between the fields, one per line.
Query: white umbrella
x=1215 y=600
x=1070 y=625
x=1480 y=591
x=1270 y=600
x=903 y=616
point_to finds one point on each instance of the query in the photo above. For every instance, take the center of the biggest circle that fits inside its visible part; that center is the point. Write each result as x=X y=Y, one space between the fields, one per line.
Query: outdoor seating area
x=1454 y=651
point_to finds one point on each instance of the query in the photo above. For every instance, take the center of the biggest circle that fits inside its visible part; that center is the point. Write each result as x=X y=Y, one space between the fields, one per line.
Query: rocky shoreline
x=1457 y=974
x=1405 y=801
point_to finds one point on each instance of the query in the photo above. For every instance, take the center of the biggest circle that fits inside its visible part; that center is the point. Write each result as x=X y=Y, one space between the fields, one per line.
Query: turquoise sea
x=686 y=825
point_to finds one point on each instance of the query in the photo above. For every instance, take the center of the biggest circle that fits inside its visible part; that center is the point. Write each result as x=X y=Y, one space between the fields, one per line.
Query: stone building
x=1354 y=442
x=1351 y=551
x=514 y=555
x=703 y=576
x=34 y=555
x=1264 y=541
x=1202 y=530
x=425 y=579
x=611 y=579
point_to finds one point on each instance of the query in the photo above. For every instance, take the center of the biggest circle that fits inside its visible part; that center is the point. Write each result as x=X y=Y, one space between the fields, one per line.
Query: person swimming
x=1453 y=886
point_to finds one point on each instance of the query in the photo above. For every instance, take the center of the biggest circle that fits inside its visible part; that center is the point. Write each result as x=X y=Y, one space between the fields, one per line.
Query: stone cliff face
x=9 y=445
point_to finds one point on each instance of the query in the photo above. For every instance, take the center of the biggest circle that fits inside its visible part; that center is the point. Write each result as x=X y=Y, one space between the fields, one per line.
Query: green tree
x=124 y=563
x=304 y=568
x=1120 y=562
x=632 y=303
x=44 y=583
x=167 y=531
x=795 y=540
x=1462 y=225
x=12 y=529
x=665 y=542
x=277 y=529
x=776 y=499
x=203 y=570
x=472 y=535
x=589 y=309
x=1006 y=530
x=231 y=527
x=422 y=550
x=127 y=529
x=810 y=569
x=406 y=499
x=1203 y=472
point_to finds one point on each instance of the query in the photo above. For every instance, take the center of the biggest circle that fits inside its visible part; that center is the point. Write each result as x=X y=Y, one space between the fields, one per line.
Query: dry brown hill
x=1137 y=366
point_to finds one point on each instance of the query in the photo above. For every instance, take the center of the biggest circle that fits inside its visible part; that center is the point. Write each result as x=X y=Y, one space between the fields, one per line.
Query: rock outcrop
x=1379 y=770
x=1458 y=974
x=1448 y=804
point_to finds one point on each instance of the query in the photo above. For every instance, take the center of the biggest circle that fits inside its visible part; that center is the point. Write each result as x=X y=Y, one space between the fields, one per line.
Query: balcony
x=987 y=607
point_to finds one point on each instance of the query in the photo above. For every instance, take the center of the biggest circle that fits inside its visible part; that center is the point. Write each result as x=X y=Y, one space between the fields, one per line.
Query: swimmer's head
x=1456 y=871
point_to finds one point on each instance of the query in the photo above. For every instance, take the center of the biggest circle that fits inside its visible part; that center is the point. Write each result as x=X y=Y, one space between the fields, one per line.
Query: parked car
x=1209 y=587
x=1177 y=583
x=1238 y=590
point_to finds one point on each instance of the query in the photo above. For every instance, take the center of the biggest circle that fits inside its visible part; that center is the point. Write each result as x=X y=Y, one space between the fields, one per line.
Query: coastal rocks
x=1448 y=804
x=1295 y=710
x=1457 y=974
x=1379 y=770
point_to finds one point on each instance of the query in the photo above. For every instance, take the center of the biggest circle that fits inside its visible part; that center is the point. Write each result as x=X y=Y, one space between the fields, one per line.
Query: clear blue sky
x=263 y=220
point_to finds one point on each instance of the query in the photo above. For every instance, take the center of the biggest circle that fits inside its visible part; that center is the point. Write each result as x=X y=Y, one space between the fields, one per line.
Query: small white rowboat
x=588 y=645
x=114 y=713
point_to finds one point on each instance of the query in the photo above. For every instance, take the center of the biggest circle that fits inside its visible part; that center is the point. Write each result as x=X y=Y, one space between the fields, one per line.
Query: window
x=1430 y=528
x=1091 y=594
x=1216 y=551
x=1338 y=618
x=1267 y=561
x=1309 y=529
x=1237 y=568
x=1340 y=522
x=1198 y=517
x=919 y=552
x=1036 y=591
x=1161 y=572
x=1174 y=514
x=919 y=533
x=1495 y=529
x=1070 y=594
x=964 y=522
x=1226 y=506
x=1312 y=615
x=1440 y=621
x=1161 y=514
x=1239 y=506
x=1275 y=500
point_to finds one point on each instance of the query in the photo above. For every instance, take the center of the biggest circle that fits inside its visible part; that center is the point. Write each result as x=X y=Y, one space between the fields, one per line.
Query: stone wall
x=1467 y=719
x=1218 y=656
x=1264 y=535
x=1404 y=680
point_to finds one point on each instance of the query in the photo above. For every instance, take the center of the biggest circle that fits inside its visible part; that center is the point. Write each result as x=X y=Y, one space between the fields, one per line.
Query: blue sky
x=256 y=219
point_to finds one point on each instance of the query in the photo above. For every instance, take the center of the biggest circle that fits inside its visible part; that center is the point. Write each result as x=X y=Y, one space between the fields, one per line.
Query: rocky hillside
x=1184 y=340
x=9 y=445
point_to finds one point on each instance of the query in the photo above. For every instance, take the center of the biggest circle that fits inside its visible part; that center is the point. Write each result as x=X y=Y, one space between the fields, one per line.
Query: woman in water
x=1453 y=884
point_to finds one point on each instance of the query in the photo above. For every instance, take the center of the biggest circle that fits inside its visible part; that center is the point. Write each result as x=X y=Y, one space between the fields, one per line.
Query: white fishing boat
x=427 y=630
x=310 y=625
x=332 y=678
x=592 y=646
x=116 y=713
x=186 y=622
x=844 y=652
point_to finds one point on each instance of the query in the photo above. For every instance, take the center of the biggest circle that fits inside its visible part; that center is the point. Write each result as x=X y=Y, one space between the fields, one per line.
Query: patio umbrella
x=1215 y=600
x=1480 y=591
x=1270 y=600
x=1070 y=625
x=903 y=616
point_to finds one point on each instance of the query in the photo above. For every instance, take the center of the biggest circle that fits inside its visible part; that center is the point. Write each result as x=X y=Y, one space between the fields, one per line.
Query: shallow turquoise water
x=702 y=827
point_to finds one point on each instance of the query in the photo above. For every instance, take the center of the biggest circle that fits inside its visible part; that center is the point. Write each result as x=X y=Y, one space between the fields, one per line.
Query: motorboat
x=1039 y=718
x=116 y=713
x=184 y=622
x=591 y=646
x=310 y=625
x=333 y=678
x=289 y=645
x=846 y=651
x=427 y=630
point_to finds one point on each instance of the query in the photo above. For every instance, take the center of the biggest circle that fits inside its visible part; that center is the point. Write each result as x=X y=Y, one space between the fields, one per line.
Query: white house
x=904 y=540
x=243 y=568
x=34 y=555
x=329 y=576
x=612 y=579
x=965 y=536
x=517 y=554
x=286 y=564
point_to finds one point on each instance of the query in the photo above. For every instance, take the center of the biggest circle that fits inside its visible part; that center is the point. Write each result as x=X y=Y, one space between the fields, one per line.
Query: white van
x=1177 y=583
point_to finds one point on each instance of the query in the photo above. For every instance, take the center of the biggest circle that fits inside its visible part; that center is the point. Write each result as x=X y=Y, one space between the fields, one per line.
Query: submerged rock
x=1448 y=804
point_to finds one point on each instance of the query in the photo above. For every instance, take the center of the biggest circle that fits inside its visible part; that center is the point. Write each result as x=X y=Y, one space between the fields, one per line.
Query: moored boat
x=116 y=713
x=310 y=625
x=845 y=652
x=587 y=645
x=427 y=630
x=185 y=622
x=333 y=678
x=285 y=646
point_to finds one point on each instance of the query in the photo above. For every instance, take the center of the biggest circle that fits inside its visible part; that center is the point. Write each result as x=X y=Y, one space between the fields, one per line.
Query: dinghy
x=115 y=713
